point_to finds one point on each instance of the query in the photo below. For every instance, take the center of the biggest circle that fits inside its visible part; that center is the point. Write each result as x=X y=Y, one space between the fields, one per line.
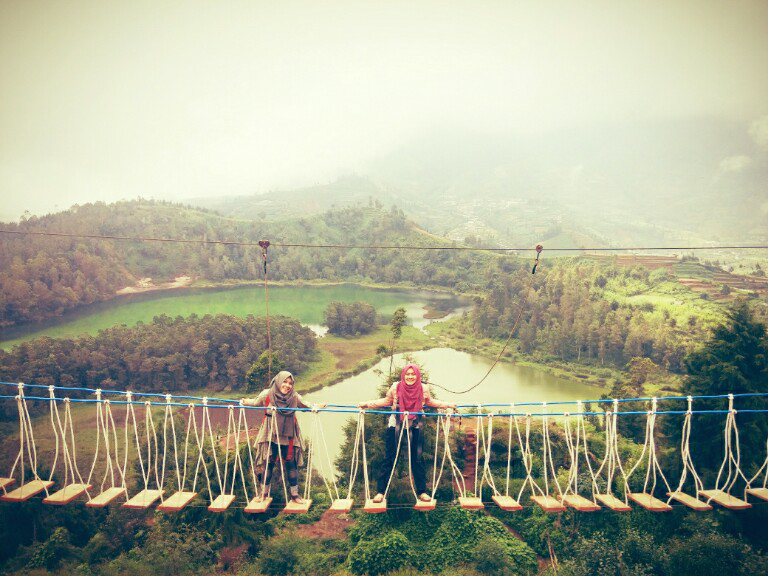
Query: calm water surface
x=305 y=303
x=454 y=370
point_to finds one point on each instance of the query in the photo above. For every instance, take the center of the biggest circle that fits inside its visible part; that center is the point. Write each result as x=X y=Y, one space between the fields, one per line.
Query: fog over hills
x=649 y=183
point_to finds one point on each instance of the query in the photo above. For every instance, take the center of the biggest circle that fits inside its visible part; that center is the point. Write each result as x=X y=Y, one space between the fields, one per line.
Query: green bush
x=490 y=557
x=280 y=556
x=387 y=553
x=709 y=555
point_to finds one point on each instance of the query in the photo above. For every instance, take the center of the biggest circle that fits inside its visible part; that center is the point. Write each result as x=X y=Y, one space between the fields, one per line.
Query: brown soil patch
x=348 y=352
x=331 y=525
x=470 y=448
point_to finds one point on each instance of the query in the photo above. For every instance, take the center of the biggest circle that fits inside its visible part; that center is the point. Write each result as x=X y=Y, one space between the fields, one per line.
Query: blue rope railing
x=216 y=403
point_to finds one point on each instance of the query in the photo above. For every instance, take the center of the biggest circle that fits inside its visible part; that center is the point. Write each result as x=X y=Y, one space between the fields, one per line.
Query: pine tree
x=733 y=361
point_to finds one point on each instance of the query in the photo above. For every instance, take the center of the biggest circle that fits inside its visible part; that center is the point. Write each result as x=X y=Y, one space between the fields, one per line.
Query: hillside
x=682 y=182
x=42 y=276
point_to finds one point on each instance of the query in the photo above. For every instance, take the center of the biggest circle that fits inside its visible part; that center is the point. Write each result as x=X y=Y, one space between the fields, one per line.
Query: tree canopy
x=734 y=360
x=350 y=318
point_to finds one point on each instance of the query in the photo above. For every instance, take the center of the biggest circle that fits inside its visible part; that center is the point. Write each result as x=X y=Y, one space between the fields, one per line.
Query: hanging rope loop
x=539 y=248
x=264 y=247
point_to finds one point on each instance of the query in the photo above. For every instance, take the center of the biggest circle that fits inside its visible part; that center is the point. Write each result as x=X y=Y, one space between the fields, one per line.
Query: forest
x=168 y=354
x=571 y=313
x=43 y=276
x=575 y=309
x=78 y=540
x=594 y=314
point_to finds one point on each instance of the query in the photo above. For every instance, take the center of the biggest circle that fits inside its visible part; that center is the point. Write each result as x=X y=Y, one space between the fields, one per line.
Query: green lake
x=306 y=303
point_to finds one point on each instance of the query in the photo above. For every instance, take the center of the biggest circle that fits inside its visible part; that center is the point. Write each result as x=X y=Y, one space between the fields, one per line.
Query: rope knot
x=264 y=246
x=539 y=248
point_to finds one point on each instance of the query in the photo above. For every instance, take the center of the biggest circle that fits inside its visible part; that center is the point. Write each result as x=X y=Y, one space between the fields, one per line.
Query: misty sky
x=102 y=100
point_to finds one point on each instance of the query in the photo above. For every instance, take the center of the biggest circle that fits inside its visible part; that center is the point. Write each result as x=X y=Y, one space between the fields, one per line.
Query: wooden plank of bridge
x=221 y=503
x=5 y=482
x=177 y=501
x=610 y=501
x=297 y=508
x=258 y=505
x=26 y=492
x=548 y=503
x=67 y=494
x=471 y=503
x=507 y=503
x=725 y=500
x=761 y=493
x=425 y=505
x=579 y=503
x=689 y=501
x=341 y=505
x=649 y=502
x=105 y=497
x=375 y=507
x=143 y=499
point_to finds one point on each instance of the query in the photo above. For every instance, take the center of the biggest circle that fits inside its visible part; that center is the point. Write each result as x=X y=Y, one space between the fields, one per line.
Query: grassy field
x=338 y=358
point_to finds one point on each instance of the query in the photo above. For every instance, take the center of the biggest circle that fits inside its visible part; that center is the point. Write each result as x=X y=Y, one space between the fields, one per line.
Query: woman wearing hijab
x=410 y=395
x=283 y=437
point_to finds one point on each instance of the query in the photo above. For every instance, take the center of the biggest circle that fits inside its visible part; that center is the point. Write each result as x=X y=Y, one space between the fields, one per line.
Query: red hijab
x=410 y=398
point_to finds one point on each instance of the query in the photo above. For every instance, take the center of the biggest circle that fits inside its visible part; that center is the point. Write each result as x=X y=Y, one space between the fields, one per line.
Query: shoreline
x=187 y=285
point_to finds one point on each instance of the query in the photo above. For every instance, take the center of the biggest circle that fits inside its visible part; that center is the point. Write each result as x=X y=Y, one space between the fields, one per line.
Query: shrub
x=387 y=553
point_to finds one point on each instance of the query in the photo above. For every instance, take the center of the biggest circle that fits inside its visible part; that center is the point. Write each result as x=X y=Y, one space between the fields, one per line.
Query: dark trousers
x=291 y=470
x=417 y=459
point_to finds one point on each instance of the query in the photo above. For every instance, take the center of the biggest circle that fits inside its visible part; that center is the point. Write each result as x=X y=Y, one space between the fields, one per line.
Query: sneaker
x=424 y=497
x=379 y=498
x=297 y=500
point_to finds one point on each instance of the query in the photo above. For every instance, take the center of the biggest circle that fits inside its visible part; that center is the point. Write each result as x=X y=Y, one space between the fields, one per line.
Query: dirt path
x=470 y=451
x=330 y=525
